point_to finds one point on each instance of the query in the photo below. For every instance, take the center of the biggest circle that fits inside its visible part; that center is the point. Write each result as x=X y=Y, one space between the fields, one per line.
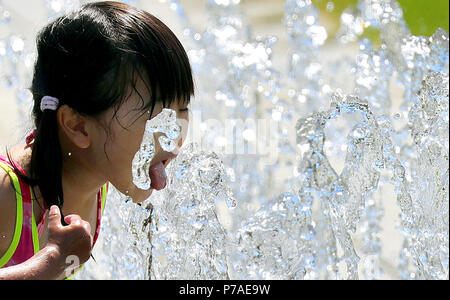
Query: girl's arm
x=46 y=264
x=63 y=241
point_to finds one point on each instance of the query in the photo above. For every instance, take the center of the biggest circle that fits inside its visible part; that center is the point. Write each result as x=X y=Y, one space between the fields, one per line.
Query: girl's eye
x=184 y=109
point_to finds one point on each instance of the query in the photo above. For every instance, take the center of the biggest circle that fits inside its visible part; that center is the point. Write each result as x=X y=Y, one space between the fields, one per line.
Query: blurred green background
x=425 y=16
x=422 y=16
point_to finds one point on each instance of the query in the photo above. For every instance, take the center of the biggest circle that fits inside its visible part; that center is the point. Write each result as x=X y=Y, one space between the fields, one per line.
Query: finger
x=87 y=228
x=54 y=216
x=73 y=219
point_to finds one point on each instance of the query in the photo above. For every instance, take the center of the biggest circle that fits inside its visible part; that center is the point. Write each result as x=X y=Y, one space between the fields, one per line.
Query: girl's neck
x=80 y=185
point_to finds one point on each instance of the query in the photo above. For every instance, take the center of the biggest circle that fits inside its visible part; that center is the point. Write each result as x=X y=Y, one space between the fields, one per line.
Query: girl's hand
x=75 y=239
x=63 y=241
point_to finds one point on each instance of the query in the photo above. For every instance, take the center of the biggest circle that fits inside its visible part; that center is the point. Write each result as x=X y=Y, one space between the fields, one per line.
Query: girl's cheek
x=183 y=121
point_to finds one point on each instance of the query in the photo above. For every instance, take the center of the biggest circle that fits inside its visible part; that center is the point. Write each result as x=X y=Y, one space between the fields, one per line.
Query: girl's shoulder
x=21 y=155
x=8 y=200
x=8 y=210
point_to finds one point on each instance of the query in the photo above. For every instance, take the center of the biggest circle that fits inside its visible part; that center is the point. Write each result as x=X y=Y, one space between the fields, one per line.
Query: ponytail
x=46 y=162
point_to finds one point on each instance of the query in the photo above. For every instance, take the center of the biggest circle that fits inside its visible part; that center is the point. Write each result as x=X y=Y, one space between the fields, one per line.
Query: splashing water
x=428 y=120
x=309 y=230
x=166 y=123
x=154 y=235
x=197 y=221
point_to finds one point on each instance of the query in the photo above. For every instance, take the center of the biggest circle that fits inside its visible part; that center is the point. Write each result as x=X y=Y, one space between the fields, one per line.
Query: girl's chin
x=140 y=195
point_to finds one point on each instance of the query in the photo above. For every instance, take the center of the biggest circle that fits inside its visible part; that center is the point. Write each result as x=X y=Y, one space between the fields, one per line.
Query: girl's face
x=126 y=132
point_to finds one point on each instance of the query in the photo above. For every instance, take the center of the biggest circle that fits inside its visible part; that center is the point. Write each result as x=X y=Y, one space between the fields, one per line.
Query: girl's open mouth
x=158 y=175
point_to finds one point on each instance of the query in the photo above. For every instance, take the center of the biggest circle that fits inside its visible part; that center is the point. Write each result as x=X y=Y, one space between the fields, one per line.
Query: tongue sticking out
x=158 y=176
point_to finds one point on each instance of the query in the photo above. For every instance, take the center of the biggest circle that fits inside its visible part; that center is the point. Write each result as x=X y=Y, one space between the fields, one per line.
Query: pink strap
x=25 y=248
x=99 y=215
x=40 y=226
x=30 y=138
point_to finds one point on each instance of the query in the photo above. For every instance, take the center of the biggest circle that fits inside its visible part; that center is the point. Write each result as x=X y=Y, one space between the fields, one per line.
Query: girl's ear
x=74 y=126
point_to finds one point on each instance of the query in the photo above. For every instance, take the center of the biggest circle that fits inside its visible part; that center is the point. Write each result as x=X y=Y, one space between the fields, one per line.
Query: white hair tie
x=48 y=102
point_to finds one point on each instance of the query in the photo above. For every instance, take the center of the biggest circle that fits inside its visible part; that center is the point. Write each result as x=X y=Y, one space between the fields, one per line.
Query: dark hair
x=90 y=60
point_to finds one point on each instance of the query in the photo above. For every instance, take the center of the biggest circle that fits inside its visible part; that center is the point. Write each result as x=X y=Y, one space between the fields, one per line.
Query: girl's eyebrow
x=184 y=109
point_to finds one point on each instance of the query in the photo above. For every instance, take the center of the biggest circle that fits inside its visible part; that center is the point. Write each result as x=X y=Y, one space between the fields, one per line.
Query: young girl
x=102 y=72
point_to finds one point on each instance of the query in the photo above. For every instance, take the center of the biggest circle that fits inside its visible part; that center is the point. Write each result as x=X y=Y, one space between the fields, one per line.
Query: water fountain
x=288 y=179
